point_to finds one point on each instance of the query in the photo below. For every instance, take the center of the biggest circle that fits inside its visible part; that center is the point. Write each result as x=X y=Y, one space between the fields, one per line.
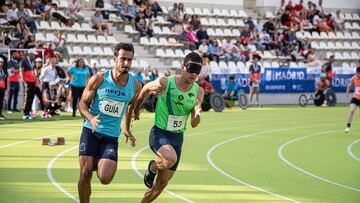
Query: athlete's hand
x=94 y=122
x=198 y=109
x=130 y=137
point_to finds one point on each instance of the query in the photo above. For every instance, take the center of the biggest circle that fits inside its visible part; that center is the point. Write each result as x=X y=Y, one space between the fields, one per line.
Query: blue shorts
x=98 y=145
x=159 y=137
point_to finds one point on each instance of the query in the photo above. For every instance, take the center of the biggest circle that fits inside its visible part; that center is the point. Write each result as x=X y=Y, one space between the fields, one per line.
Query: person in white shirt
x=338 y=21
x=11 y=15
x=74 y=10
x=203 y=48
x=48 y=73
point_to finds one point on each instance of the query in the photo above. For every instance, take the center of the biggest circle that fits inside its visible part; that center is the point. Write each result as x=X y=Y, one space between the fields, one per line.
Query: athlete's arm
x=87 y=96
x=128 y=114
x=195 y=114
x=158 y=85
x=349 y=87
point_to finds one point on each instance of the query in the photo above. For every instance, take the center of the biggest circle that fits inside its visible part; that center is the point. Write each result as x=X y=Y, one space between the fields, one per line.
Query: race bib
x=111 y=107
x=255 y=84
x=176 y=123
x=357 y=90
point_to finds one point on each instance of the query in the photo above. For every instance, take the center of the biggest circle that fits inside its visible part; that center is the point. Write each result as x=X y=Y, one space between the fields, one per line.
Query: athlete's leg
x=106 y=170
x=257 y=90
x=166 y=158
x=351 y=113
x=251 y=94
x=161 y=182
x=84 y=185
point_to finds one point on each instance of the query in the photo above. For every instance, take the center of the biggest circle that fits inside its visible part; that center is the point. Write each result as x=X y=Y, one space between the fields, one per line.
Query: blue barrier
x=284 y=80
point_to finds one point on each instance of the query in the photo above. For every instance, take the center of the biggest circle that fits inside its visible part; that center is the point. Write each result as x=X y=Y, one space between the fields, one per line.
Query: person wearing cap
x=355 y=100
x=13 y=78
x=27 y=75
x=327 y=69
x=180 y=97
x=232 y=87
x=3 y=76
x=255 y=75
x=51 y=104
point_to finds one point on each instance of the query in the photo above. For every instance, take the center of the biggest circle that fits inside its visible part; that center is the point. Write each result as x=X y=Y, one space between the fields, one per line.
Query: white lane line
x=280 y=154
x=349 y=150
x=210 y=161
x=33 y=139
x=51 y=177
x=134 y=166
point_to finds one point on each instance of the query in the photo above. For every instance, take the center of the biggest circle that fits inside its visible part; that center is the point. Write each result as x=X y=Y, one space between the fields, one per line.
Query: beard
x=123 y=70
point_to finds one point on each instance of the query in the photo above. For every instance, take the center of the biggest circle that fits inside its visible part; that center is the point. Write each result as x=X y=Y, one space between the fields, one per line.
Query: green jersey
x=174 y=107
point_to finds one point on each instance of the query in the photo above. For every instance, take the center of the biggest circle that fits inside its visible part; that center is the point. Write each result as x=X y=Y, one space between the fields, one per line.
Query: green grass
x=245 y=145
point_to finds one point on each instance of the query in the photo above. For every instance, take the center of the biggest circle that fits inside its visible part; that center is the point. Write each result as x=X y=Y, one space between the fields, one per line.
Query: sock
x=348 y=125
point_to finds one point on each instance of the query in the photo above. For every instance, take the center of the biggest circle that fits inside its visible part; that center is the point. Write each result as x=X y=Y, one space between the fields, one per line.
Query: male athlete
x=110 y=95
x=179 y=97
x=355 y=101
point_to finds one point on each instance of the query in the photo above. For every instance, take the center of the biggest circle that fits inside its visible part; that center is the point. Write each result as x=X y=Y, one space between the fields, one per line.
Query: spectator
x=330 y=22
x=14 y=81
x=154 y=74
x=142 y=25
x=226 y=48
x=27 y=74
x=51 y=102
x=305 y=47
x=51 y=11
x=21 y=28
x=338 y=21
x=203 y=48
x=104 y=12
x=202 y=34
x=214 y=51
x=93 y=69
x=40 y=8
x=3 y=78
x=29 y=22
x=126 y=12
x=98 y=24
x=78 y=75
x=265 y=39
x=30 y=42
x=269 y=27
x=195 y=22
x=289 y=6
x=38 y=92
x=250 y=22
x=59 y=45
x=299 y=7
x=174 y=15
x=48 y=51
x=74 y=10
x=246 y=34
x=155 y=8
x=319 y=23
x=185 y=19
x=319 y=7
x=189 y=38
x=281 y=8
x=285 y=18
x=310 y=56
x=12 y=16
x=138 y=75
x=181 y=10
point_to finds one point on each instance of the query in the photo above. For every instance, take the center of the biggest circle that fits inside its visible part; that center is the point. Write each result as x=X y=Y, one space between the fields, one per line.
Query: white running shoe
x=347 y=130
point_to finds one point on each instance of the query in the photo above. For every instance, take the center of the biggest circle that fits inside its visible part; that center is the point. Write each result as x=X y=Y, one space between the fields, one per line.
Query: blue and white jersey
x=110 y=103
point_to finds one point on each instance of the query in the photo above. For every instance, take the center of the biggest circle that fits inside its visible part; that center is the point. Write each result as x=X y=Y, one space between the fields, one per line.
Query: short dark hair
x=232 y=77
x=124 y=46
x=194 y=57
x=358 y=69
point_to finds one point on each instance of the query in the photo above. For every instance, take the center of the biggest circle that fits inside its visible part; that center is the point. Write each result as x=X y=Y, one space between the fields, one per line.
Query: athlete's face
x=189 y=75
x=123 y=61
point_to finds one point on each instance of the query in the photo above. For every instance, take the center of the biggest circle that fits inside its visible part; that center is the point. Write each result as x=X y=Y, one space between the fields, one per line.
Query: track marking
x=349 y=150
x=51 y=177
x=134 y=166
x=280 y=154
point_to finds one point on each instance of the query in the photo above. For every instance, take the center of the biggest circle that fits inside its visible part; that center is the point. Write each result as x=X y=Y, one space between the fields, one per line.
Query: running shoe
x=347 y=130
x=149 y=175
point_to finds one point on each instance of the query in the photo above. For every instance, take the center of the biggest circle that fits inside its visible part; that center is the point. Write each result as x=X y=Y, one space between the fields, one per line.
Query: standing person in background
x=38 y=92
x=27 y=75
x=3 y=75
x=93 y=69
x=255 y=76
x=14 y=80
x=355 y=100
x=78 y=75
x=327 y=68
